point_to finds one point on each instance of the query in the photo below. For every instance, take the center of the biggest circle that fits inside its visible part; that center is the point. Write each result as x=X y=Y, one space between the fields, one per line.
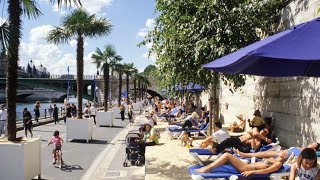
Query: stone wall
x=293 y=103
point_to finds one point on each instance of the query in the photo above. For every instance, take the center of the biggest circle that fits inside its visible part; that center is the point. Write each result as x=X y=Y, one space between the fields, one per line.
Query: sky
x=131 y=19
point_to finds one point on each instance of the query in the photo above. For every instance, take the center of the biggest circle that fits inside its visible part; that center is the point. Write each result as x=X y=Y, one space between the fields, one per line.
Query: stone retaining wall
x=293 y=102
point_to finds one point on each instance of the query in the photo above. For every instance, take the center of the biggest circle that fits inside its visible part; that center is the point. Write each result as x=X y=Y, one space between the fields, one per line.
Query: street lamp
x=31 y=64
x=41 y=70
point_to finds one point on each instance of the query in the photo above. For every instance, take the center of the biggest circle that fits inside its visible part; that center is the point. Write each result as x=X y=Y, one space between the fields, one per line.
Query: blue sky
x=131 y=19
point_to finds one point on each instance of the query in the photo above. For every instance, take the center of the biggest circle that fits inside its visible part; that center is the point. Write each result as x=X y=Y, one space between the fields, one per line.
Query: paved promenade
x=103 y=157
x=165 y=161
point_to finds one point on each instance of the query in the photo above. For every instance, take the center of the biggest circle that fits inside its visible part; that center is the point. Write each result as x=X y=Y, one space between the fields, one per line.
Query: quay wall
x=293 y=102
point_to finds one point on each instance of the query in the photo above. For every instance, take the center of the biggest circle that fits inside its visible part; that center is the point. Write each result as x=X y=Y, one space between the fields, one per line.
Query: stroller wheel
x=138 y=163
x=125 y=164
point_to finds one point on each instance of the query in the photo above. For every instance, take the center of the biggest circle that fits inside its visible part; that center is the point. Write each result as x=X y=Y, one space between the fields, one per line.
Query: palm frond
x=67 y=3
x=58 y=35
x=4 y=35
x=31 y=9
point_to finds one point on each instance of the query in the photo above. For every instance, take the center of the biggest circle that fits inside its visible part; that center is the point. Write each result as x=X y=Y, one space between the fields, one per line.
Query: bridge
x=56 y=86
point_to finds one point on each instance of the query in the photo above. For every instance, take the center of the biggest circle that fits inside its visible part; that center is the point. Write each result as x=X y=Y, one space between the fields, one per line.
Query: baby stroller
x=133 y=152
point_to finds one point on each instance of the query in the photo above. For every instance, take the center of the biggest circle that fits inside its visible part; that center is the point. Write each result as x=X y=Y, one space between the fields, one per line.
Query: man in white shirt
x=3 y=120
x=216 y=138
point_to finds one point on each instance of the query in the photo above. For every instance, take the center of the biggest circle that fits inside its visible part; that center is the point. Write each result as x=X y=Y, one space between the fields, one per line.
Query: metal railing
x=44 y=114
x=71 y=77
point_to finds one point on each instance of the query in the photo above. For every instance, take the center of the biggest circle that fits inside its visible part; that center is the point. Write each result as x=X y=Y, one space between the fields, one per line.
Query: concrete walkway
x=109 y=164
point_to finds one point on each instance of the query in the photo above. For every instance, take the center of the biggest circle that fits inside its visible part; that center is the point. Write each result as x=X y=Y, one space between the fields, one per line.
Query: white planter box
x=104 y=118
x=20 y=160
x=116 y=113
x=79 y=128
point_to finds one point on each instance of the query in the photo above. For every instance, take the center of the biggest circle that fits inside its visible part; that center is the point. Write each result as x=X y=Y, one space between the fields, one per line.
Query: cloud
x=50 y=55
x=92 y=6
x=73 y=43
x=148 y=26
x=150 y=23
x=39 y=33
x=152 y=57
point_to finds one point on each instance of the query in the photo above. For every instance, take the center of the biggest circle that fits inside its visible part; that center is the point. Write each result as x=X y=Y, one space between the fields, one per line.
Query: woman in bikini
x=287 y=152
x=266 y=166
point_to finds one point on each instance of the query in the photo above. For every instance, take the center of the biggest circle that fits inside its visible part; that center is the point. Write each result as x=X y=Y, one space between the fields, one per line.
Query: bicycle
x=57 y=156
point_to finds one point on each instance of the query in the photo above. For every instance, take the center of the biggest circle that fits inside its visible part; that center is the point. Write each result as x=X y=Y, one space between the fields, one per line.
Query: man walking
x=3 y=120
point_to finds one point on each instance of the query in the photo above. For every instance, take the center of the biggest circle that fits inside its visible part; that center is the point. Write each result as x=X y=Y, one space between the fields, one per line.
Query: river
x=43 y=109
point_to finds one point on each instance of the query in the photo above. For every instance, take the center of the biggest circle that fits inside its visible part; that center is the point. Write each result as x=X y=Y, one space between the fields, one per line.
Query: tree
x=103 y=60
x=134 y=73
x=79 y=24
x=15 y=9
x=119 y=69
x=128 y=69
x=188 y=34
x=142 y=82
x=150 y=70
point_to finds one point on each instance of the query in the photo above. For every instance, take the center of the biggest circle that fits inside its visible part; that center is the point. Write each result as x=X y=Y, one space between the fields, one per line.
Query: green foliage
x=150 y=71
x=188 y=34
x=79 y=23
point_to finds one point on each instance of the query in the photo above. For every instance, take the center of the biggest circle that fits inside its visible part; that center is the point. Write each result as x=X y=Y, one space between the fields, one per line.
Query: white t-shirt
x=3 y=114
x=310 y=174
x=220 y=136
x=93 y=110
x=150 y=121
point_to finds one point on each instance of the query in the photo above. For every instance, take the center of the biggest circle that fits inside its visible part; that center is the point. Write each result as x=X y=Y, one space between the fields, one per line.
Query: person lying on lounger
x=238 y=126
x=251 y=140
x=266 y=166
x=216 y=138
x=287 y=152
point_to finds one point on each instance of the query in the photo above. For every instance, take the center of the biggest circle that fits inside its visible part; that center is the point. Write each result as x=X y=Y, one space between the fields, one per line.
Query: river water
x=43 y=109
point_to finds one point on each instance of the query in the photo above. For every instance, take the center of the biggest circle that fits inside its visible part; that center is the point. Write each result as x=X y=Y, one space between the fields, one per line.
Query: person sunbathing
x=250 y=140
x=238 y=127
x=287 y=152
x=266 y=166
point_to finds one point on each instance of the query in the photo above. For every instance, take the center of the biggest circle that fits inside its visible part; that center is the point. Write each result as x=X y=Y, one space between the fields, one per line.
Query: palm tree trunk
x=80 y=74
x=14 y=10
x=106 y=86
x=135 y=89
x=139 y=89
x=120 y=88
x=127 y=84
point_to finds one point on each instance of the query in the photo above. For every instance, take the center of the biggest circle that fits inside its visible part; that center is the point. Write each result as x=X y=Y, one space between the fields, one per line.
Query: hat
x=239 y=115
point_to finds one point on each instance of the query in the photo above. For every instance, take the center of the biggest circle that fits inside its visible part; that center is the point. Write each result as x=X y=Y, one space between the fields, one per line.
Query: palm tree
x=79 y=24
x=143 y=82
x=128 y=70
x=103 y=60
x=15 y=9
x=134 y=73
x=119 y=69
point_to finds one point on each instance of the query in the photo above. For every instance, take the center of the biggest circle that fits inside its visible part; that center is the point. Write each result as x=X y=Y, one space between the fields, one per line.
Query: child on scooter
x=56 y=141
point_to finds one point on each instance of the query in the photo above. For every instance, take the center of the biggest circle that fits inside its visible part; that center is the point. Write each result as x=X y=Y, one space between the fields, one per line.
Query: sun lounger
x=226 y=171
x=195 y=152
x=177 y=132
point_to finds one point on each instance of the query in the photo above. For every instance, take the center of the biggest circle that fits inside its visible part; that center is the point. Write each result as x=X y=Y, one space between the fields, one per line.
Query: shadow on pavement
x=70 y=168
x=111 y=126
x=94 y=141
x=37 y=130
